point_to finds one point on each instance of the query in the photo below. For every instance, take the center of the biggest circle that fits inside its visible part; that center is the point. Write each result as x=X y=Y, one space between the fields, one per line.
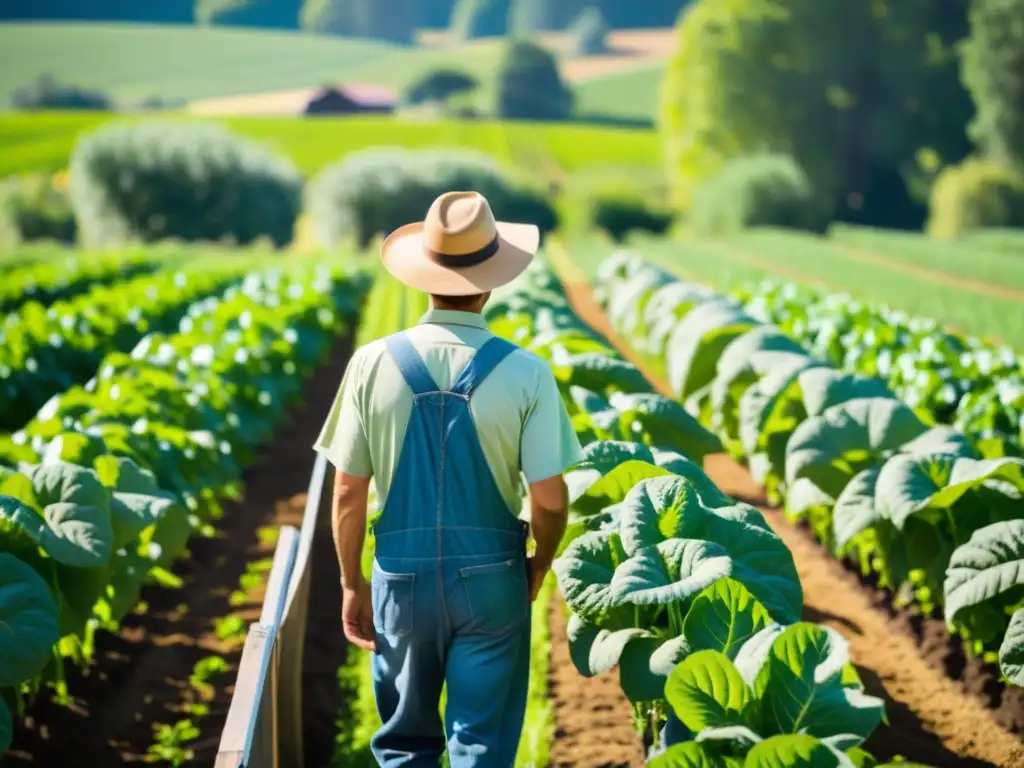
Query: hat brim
x=404 y=256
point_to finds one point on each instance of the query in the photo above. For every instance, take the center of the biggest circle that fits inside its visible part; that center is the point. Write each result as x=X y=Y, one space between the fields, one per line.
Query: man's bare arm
x=549 y=513
x=348 y=525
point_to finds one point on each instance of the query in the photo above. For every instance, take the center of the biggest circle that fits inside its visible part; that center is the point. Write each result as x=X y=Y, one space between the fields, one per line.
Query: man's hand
x=535 y=573
x=357 y=616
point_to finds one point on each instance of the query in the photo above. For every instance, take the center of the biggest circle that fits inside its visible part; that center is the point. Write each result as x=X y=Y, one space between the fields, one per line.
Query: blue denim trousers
x=451 y=602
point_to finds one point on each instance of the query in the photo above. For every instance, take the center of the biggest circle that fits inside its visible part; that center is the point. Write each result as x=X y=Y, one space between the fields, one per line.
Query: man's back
x=519 y=417
x=444 y=416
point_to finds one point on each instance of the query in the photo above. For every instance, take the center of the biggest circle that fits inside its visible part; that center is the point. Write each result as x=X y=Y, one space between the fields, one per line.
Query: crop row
x=102 y=490
x=955 y=379
x=45 y=350
x=63 y=276
x=689 y=594
x=913 y=501
x=813 y=261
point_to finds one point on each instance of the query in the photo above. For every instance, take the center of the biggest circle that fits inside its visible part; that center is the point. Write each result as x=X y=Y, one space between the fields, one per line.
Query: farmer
x=445 y=416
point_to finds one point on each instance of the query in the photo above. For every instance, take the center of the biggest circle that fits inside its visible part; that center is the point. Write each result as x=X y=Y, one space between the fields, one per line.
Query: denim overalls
x=450 y=596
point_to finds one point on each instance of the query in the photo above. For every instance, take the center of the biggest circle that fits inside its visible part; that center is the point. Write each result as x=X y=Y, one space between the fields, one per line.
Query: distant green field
x=999 y=261
x=44 y=141
x=134 y=61
x=632 y=94
x=771 y=254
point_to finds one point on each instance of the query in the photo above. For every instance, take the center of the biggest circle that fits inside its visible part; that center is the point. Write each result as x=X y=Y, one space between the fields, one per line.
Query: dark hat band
x=471 y=259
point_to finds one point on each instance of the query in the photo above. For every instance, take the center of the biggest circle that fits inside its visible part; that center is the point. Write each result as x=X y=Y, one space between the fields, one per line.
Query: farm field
x=992 y=310
x=268 y=346
x=132 y=62
x=745 y=353
x=631 y=93
x=44 y=142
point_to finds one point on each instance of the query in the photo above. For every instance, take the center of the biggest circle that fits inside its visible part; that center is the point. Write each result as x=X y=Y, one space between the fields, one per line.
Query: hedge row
x=198 y=182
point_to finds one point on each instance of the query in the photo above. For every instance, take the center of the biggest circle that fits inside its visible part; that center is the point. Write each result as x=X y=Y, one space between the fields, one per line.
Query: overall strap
x=484 y=361
x=409 y=362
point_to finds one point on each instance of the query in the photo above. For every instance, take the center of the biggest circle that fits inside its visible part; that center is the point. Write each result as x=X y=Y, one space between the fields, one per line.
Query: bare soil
x=933 y=718
x=141 y=674
x=593 y=718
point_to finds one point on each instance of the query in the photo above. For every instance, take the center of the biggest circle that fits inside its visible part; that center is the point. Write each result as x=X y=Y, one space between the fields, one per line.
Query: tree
x=530 y=85
x=589 y=31
x=641 y=14
x=393 y=20
x=850 y=90
x=273 y=14
x=993 y=71
x=439 y=85
x=436 y=14
x=480 y=18
x=528 y=16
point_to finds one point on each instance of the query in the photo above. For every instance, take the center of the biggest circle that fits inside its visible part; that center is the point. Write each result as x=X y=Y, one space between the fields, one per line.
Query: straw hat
x=459 y=249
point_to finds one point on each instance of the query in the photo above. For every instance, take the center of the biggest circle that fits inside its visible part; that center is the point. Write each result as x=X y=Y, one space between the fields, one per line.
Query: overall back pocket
x=497 y=594
x=392 y=601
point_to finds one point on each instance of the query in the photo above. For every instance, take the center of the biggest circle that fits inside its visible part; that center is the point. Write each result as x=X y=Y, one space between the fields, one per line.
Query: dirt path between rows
x=141 y=674
x=932 y=275
x=930 y=718
x=593 y=718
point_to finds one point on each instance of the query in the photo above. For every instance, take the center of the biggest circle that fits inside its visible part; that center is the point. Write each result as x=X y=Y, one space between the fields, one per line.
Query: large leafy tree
x=864 y=95
x=994 y=73
x=275 y=14
x=530 y=85
x=393 y=20
x=537 y=15
x=480 y=18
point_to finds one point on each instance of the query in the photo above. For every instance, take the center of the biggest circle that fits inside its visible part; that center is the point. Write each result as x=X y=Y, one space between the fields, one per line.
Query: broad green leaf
x=595 y=650
x=829 y=449
x=646 y=664
x=67 y=484
x=599 y=412
x=706 y=691
x=753 y=654
x=907 y=485
x=697 y=343
x=670 y=572
x=659 y=421
x=723 y=617
x=137 y=501
x=1011 y=652
x=665 y=508
x=743 y=363
x=940 y=439
x=823 y=387
x=988 y=565
x=585 y=571
x=74 y=527
x=767 y=401
x=688 y=755
x=801 y=687
x=609 y=469
x=74 y=448
x=600 y=373
x=792 y=751
x=739 y=738
x=29 y=625
x=626 y=304
x=856 y=510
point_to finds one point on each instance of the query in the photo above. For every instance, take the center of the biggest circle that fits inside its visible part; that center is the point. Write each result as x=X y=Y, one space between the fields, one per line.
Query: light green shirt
x=521 y=421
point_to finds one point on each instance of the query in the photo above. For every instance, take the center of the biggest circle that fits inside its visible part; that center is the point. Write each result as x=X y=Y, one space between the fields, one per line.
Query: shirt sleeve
x=549 y=445
x=343 y=439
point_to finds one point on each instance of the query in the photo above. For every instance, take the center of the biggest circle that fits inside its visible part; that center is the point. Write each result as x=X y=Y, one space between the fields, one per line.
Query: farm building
x=331 y=99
